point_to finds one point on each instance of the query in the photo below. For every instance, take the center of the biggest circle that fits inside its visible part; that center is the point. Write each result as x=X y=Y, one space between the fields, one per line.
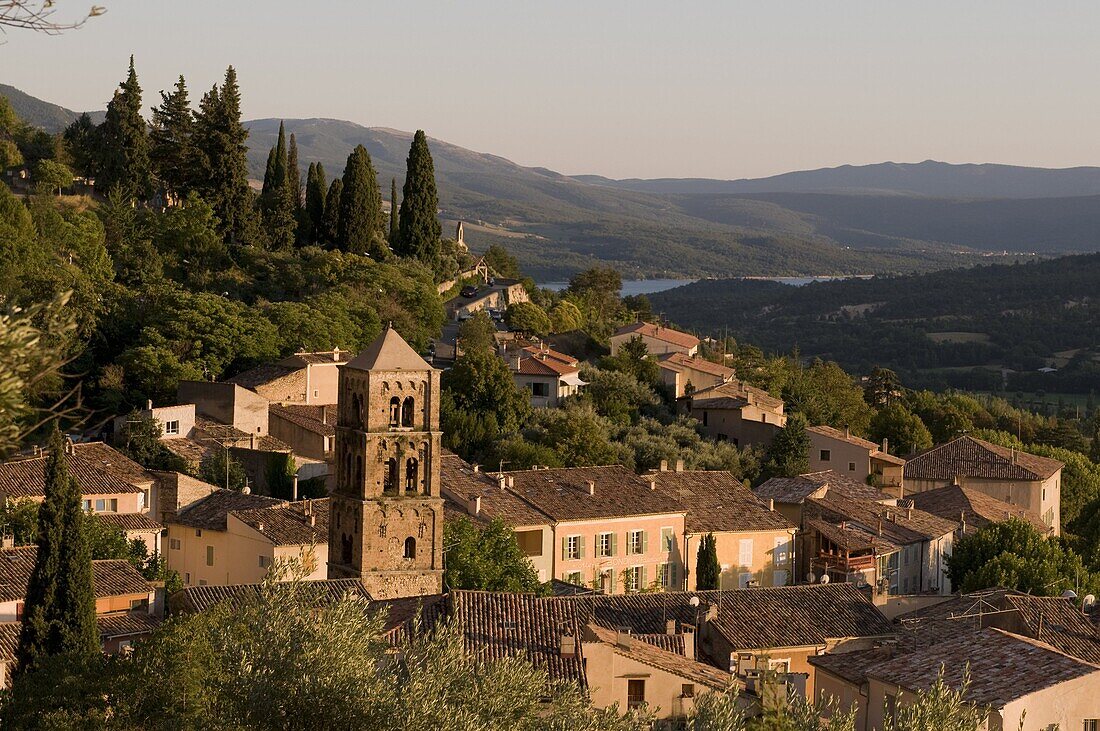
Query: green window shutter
x=672 y=576
x=614 y=545
x=564 y=548
x=580 y=546
x=645 y=541
x=612 y=579
x=645 y=577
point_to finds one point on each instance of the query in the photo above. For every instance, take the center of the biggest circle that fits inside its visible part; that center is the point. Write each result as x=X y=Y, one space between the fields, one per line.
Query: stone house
x=972 y=509
x=684 y=374
x=309 y=430
x=659 y=340
x=234 y=538
x=306 y=378
x=755 y=544
x=841 y=451
x=736 y=412
x=1013 y=476
x=498 y=294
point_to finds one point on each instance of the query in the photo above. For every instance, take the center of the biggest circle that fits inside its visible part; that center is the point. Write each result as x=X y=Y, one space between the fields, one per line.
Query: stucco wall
x=654 y=346
x=744 y=427
x=591 y=565
x=841 y=458
x=303 y=441
x=1041 y=497
x=831 y=689
x=767 y=557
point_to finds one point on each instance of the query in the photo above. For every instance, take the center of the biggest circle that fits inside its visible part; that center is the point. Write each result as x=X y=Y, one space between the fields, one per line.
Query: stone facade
x=386 y=526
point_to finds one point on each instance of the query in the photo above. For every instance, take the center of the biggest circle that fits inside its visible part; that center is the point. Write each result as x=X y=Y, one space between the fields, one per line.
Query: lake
x=650 y=286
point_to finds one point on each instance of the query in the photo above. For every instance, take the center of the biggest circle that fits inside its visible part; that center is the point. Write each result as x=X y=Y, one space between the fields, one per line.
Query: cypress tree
x=418 y=226
x=171 y=150
x=393 y=212
x=220 y=138
x=276 y=200
x=315 y=202
x=124 y=151
x=330 y=220
x=708 y=574
x=59 y=612
x=294 y=176
x=360 y=227
x=269 y=177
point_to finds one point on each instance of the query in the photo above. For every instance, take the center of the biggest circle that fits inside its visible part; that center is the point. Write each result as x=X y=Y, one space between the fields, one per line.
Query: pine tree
x=59 y=612
x=220 y=139
x=360 y=227
x=418 y=227
x=330 y=220
x=314 y=211
x=124 y=142
x=708 y=573
x=393 y=212
x=171 y=152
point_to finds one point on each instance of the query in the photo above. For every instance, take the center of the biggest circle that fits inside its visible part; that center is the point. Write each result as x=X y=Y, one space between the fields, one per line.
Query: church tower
x=386 y=525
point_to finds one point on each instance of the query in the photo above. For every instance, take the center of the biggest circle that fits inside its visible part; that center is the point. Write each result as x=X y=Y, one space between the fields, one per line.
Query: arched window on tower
x=359 y=410
x=407 y=411
x=412 y=474
x=410 y=547
x=345 y=548
x=347 y=470
x=390 y=482
x=358 y=472
x=395 y=412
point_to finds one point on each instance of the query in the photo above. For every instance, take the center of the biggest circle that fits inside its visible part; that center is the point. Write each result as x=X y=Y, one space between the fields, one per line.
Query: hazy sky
x=723 y=89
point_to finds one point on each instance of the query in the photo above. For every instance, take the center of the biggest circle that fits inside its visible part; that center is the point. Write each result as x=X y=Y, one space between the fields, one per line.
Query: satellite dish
x=824 y=578
x=694 y=601
x=1090 y=601
x=1069 y=594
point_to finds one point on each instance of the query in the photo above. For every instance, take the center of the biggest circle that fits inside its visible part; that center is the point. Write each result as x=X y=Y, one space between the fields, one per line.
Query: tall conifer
x=315 y=202
x=171 y=150
x=418 y=226
x=294 y=176
x=277 y=200
x=124 y=140
x=708 y=573
x=59 y=611
x=393 y=212
x=360 y=228
x=330 y=220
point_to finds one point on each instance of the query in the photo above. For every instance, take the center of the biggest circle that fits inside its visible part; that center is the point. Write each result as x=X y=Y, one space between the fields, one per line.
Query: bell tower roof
x=389 y=352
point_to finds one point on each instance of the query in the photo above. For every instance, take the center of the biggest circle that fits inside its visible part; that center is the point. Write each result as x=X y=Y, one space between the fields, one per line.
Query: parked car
x=468 y=291
x=496 y=314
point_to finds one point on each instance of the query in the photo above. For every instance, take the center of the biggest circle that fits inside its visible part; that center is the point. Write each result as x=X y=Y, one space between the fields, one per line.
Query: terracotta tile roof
x=131 y=521
x=563 y=494
x=1003 y=667
x=645 y=614
x=202 y=598
x=112 y=461
x=1059 y=623
x=550 y=354
x=498 y=625
x=679 y=362
x=852 y=538
x=234 y=437
x=288 y=524
x=980 y=509
x=970 y=457
x=534 y=365
x=210 y=512
x=191 y=450
x=658 y=332
x=797 y=616
x=261 y=375
x=669 y=643
x=462 y=486
x=319 y=357
x=127 y=624
x=9 y=642
x=957 y=615
x=317 y=419
x=718 y=502
x=852 y=666
x=401 y=614
x=25 y=477
x=875 y=452
x=564 y=588
x=115 y=577
x=898 y=524
x=735 y=395
x=16 y=566
x=648 y=653
x=795 y=490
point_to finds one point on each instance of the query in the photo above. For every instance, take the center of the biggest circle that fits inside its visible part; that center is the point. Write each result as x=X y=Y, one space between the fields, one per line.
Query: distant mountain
x=885 y=218
x=50 y=117
x=928 y=178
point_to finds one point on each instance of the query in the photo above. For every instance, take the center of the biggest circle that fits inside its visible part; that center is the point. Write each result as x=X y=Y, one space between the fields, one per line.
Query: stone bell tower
x=386 y=526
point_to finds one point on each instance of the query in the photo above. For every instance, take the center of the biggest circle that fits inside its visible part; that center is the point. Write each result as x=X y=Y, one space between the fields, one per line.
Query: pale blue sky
x=722 y=89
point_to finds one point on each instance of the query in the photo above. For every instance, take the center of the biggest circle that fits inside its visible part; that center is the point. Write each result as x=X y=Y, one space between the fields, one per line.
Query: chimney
x=515 y=362
x=591 y=487
x=294 y=489
x=885 y=445
x=622 y=639
x=7 y=541
x=336 y=354
x=909 y=512
x=962 y=522
x=476 y=468
x=473 y=506
x=511 y=481
x=847 y=431
x=880 y=526
x=664 y=465
x=312 y=520
x=652 y=482
x=149 y=404
x=670 y=627
x=749 y=398
x=502 y=481
x=712 y=613
x=260 y=527
x=568 y=646
x=324 y=415
x=688 y=633
x=69 y=449
x=771 y=504
x=679 y=465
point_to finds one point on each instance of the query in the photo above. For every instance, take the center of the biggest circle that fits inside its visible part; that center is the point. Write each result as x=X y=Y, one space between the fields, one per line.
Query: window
x=687 y=690
x=143 y=500
x=891 y=707
x=704 y=418
x=209 y=555
x=407 y=411
x=540 y=389
x=851 y=466
x=668 y=539
x=1092 y=724
x=172 y=427
x=410 y=547
x=412 y=474
x=905 y=556
x=572 y=549
x=19 y=610
x=202 y=582
x=135 y=603
x=666 y=575
x=744 y=552
x=395 y=412
x=607 y=581
x=635 y=693
x=781 y=554
x=100 y=505
x=826 y=455
x=635 y=578
x=389 y=482
x=265 y=561
x=573 y=577
x=636 y=542
x=187 y=577
x=605 y=545
x=174 y=544
x=315 y=393
x=112 y=505
x=87 y=505
x=198 y=533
